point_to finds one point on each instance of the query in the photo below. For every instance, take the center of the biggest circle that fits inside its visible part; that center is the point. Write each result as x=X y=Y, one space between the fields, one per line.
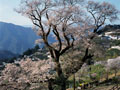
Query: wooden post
x=74 y=82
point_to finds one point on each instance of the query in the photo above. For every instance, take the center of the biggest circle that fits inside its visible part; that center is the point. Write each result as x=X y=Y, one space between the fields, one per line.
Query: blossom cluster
x=27 y=71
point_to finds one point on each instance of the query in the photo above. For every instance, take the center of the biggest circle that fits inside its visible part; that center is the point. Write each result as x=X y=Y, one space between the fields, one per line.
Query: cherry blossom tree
x=101 y=12
x=68 y=22
x=113 y=64
x=27 y=72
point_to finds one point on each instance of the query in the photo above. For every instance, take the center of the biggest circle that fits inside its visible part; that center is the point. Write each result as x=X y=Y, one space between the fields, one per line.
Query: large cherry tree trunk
x=60 y=74
x=50 y=85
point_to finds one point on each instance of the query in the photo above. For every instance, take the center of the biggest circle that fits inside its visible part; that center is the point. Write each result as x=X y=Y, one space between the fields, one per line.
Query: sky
x=7 y=13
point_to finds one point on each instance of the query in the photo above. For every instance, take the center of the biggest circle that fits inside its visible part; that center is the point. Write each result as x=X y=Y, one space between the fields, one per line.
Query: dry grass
x=102 y=87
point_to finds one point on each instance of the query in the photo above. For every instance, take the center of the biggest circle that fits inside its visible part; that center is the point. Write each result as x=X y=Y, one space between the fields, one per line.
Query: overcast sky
x=7 y=13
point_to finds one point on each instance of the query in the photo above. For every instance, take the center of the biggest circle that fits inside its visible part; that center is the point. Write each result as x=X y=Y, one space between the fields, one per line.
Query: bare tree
x=68 y=22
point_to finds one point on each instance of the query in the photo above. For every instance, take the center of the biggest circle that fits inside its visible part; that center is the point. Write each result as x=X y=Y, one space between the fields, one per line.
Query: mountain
x=15 y=38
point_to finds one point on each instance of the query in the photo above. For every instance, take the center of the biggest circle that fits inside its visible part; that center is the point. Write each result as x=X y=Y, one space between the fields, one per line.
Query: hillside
x=6 y=54
x=110 y=31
